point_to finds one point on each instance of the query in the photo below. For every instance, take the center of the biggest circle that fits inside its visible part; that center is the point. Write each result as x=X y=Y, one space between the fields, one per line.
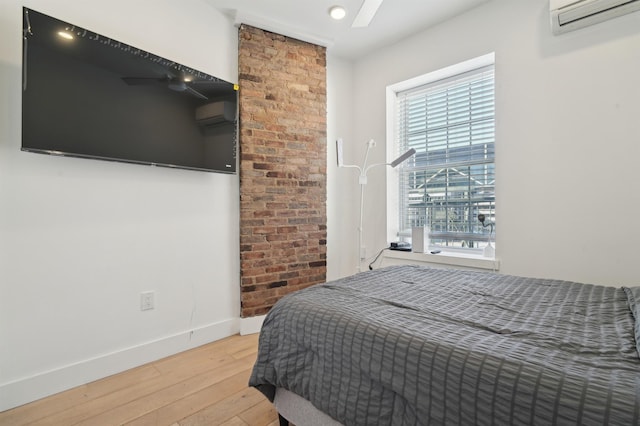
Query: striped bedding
x=410 y=345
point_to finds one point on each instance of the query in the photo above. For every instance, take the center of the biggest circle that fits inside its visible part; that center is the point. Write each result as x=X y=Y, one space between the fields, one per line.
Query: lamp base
x=489 y=251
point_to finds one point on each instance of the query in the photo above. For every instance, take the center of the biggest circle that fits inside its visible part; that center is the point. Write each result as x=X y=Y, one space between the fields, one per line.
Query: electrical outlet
x=146 y=300
x=363 y=252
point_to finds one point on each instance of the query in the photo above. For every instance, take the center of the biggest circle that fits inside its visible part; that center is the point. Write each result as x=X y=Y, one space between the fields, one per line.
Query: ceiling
x=309 y=20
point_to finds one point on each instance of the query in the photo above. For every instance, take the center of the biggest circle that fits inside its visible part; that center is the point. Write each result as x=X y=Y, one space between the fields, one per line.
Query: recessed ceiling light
x=337 y=12
x=66 y=35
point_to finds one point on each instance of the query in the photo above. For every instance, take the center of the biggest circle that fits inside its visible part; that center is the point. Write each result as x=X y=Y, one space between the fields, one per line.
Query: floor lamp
x=488 y=251
x=362 y=180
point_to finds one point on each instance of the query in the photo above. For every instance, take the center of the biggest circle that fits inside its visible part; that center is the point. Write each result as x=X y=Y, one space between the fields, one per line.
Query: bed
x=412 y=345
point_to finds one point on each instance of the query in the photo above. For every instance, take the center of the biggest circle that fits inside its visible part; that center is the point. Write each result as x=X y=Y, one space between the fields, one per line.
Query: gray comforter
x=409 y=345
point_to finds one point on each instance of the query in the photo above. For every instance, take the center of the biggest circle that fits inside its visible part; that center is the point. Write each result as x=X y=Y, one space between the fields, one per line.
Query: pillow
x=633 y=298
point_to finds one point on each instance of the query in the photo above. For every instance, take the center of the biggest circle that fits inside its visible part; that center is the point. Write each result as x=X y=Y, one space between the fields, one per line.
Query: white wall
x=568 y=135
x=81 y=239
x=341 y=219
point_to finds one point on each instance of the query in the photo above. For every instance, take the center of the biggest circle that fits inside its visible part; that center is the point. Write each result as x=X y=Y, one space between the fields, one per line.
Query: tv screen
x=87 y=95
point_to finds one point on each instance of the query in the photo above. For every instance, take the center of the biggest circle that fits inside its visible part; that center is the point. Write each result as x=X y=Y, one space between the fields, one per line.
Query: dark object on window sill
x=400 y=245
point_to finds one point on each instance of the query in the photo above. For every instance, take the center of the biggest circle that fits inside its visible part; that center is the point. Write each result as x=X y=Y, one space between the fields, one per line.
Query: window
x=450 y=122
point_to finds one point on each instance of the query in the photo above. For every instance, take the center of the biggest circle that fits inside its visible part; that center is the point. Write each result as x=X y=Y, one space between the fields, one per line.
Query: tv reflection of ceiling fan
x=173 y=83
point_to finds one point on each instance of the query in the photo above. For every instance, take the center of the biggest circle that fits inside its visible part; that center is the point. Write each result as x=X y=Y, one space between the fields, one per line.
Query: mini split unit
x=569 y=15
x=216 y=113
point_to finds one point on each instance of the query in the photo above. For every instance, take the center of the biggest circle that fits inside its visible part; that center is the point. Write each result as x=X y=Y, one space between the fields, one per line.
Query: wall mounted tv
x=87 y=95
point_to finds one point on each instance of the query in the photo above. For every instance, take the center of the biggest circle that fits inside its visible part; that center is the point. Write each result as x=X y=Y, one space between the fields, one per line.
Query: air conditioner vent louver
x=216 y=113
x=569 y=15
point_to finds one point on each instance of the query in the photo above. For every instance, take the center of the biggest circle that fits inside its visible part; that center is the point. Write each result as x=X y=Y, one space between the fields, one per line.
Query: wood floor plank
x=235 y=421
x=260 y=414
x=204 y=354
x=203 y=386
x=156 y=400
x=243 y=346
x=195 y=402
x=71 y=398
x=225 y=410
x=142 y=389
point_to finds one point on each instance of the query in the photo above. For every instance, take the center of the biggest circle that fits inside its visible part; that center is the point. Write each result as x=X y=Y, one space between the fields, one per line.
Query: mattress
x=410 y=345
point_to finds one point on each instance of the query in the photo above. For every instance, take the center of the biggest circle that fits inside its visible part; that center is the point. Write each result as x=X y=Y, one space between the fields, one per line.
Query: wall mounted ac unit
x=569 y=15
x=215 y=113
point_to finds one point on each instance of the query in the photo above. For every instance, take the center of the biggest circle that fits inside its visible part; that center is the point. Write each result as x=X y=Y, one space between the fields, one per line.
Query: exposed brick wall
x=282 y=167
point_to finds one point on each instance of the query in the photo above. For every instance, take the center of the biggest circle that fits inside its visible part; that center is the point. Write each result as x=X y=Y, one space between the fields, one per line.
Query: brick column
x=282 y=167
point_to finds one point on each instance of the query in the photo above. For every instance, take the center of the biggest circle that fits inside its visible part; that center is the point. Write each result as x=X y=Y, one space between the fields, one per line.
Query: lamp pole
x=362 y=180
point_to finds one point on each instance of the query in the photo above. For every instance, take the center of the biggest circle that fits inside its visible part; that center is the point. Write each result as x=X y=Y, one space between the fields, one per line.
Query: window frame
x=391 y=121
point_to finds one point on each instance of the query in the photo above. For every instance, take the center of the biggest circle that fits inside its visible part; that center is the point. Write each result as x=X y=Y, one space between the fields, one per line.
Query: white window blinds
x=450 y=123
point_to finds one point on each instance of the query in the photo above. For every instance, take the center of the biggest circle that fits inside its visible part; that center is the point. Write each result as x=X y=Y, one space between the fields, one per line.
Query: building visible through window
x=451 y=179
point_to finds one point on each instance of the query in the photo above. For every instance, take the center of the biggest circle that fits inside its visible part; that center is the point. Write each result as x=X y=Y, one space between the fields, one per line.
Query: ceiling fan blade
x=366 y=13
x=137 y=81
x=195 y=92
x=171 y=83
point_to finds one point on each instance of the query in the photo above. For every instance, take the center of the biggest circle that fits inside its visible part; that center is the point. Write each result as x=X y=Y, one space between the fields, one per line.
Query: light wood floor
x=203 y=386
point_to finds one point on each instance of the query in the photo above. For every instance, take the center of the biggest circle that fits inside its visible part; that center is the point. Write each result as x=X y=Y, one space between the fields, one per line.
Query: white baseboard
x=32 y=388
x=251 y=325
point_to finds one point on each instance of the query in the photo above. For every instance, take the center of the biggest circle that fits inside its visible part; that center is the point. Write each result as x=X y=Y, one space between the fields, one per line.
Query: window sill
x=444 y=259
